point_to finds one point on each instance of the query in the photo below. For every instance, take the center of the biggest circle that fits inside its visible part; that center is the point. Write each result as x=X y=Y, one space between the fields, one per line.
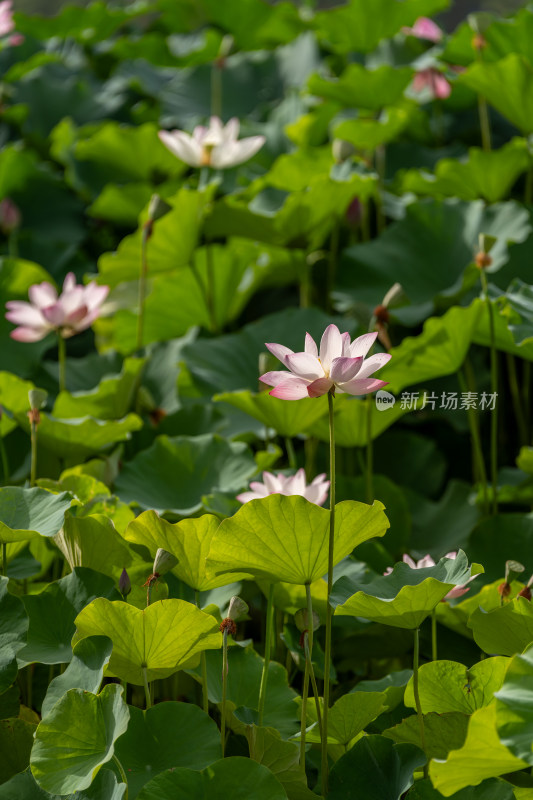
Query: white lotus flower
x=217 y=146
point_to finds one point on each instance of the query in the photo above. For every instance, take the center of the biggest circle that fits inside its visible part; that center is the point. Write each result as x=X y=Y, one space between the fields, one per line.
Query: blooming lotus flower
x=6 y=17
x=433 y=80
x=427 y=561
x=315 y=492
x=216 y=146
x=340 y=365
x=425 y=28
x=73 y=311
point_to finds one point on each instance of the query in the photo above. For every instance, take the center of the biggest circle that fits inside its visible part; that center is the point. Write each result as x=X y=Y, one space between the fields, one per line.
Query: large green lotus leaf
x=446 y=686
x=502 y=36
x=404 y=598
x=26 y=513
x=16 y=740
x=111 y=399
x=288 y=419
x=487 y=174
x=392 y=686
x=231 y=362
x=359 y=87
x=170 y=246
x=368 y=133
x=13 y=633
x=456 y=616
x=93 y=542
x=448 y=230
x=167 y=736
x=121 y=205
x=165 y=637
x=188 y=540
x=513 y=334
x=514 y=704
x=245 y=668
x=349 y=716
x=281 y=758
x=352 y=27
x=77 y=737
x=505 y=630
x=290 y=172
x=507 y=85
x=16 y=277
x=10 y=702
x=176 y=472
x=482 y=756
x=499 y=539
x=286 y=538
x=52 y=613
x=85 y=671
x=24 y=787
x=442 y=732
x=96 y=24
x=240 y=778
x=375 y=768
x=491 y=789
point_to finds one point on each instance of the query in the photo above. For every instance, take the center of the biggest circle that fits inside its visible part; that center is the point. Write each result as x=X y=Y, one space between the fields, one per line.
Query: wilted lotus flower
x=427 y=561
x=433 y=80
x=316 y=492
x=340 y=364
x=216 y=146
x=73 y=311
x=425 y=28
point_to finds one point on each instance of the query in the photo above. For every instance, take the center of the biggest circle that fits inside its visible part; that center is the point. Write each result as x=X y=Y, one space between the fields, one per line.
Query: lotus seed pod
x=237 y=608
x=393 y=295
x=301 y=620
x=37 y=398
x=513 y=569
x=124 y=583
x=158 y=208
x=342 y=150
x=164 y=562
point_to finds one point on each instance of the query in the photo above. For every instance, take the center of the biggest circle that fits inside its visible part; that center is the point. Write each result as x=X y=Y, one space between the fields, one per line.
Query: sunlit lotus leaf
x=505 y=630
x=359 y=87
x=27 y=513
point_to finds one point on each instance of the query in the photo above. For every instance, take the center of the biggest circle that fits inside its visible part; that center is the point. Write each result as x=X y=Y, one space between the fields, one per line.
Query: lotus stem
x=494 y=391
x=146 y=233
x=308 y=649
x=484 y=123
x=5 y=462
x=303 y=720
x=268 y=645
x=515 y=396
x=477 y=450
x=434 y=635
x=379 y=157
x=369 y=466
x=211 y=289
x=122 y=774
x=291 y=455
x=4 y=559
x=332 y=263
x=417 y=697
x=216 y=90
x=203 y=663
x=329 y=609
x=224 y=690
x=33 y=463
x=146 y=689
x=62 y=358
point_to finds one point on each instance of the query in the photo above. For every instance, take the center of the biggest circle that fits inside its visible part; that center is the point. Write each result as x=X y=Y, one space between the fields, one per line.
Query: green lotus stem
x=332 y=263
x=203 y=663
x=5 y=462
x=417 y=697
x=434 y=635
x=62 y=359
x=125 y=687
x=216 y=90
x=379 y=157
x=515 y=396
x=329 y=609
x=211 y=289
x=33 y=463
x=528 y=188
x=303 y=719
x=122 y=774
x=369 y=466
x=146 y=688
x=494 y=390
x=526 y=380
x=291 y=455
x=268 y=645
x=308 y=649
x=4 y=559
x=484 y=123
x=224 y=691
x=146 y=233
x=477 y=449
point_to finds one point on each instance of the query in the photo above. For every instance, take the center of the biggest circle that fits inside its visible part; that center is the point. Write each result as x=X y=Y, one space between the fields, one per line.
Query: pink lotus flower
x=427 y=561
x=10 y=217
x=341 y=364
x=216 y=146
x=433 y=80
x=72 y=312
x=425 y=28
x=315 y=492
x=6 y=17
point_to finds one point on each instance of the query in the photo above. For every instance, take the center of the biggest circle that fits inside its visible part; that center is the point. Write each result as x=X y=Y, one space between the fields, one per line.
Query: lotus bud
x=355 y=213
x=342 y=150
x=301 y=620
x=158 y=208
x=10 y=216
x=237 y=608
x=124 y=583
x=163 y=562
